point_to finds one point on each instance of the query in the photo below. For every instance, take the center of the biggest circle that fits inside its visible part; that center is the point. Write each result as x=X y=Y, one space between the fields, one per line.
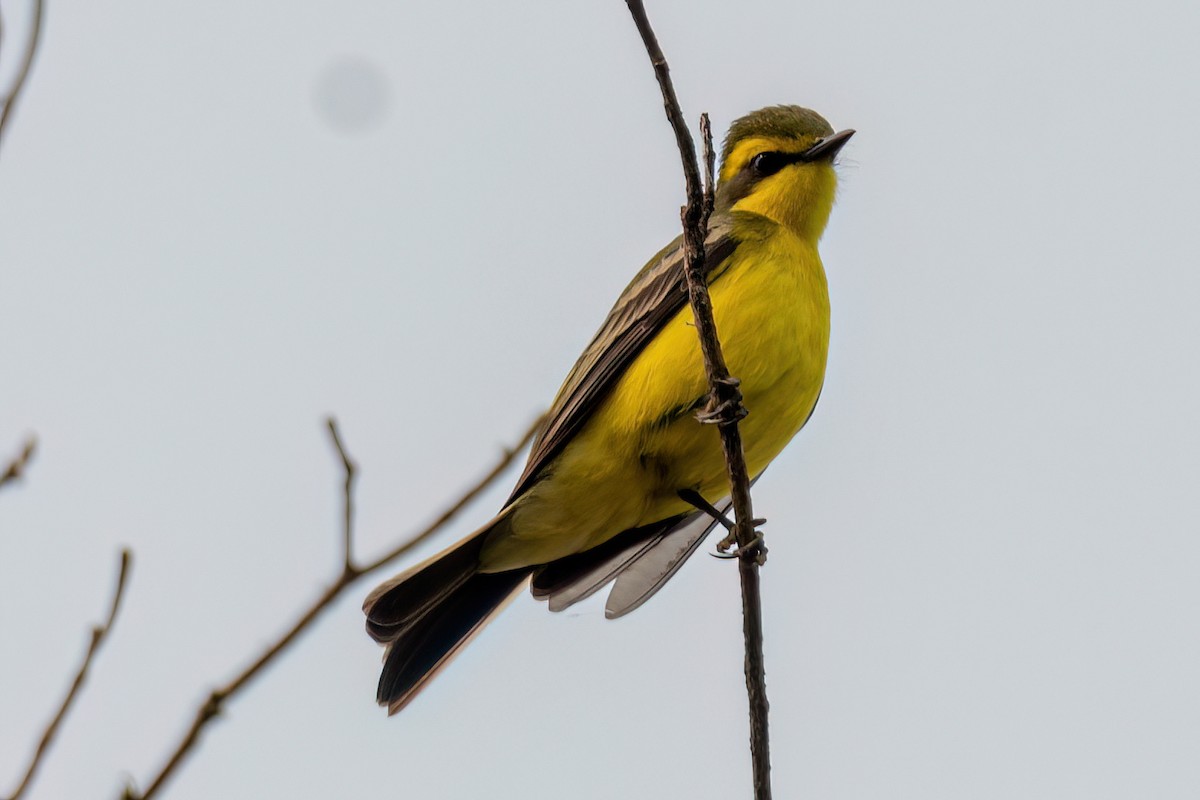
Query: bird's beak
x=828 y=147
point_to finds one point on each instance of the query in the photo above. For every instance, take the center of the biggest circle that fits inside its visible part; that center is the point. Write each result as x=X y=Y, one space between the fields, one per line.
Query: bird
x=623 y=482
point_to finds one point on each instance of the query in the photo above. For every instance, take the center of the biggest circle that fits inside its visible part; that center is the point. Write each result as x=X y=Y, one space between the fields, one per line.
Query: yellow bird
x=621 y=468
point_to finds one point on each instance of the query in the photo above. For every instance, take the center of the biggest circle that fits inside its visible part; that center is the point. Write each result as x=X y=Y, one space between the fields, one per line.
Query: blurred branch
x=725 y=400
x=350 y=573
x=16 y=467
x=9 y=101
x=98 y=635
x=458 y=505
x=351 y=470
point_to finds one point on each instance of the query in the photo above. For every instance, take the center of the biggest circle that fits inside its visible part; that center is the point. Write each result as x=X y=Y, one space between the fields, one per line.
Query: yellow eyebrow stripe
x=748 y=148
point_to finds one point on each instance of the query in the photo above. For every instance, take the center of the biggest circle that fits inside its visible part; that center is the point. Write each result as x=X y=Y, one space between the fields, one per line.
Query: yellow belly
x=643 y=444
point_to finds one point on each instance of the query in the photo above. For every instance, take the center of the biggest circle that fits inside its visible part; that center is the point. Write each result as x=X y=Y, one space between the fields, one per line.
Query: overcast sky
x=220 y=224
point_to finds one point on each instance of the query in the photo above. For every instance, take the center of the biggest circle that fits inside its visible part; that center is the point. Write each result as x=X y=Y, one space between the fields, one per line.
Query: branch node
x=351 y=470
x=214 y=705
x=723 y=409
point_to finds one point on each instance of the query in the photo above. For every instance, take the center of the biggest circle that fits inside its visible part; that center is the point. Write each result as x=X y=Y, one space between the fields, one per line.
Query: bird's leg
x=724 y=404
x=695 y=499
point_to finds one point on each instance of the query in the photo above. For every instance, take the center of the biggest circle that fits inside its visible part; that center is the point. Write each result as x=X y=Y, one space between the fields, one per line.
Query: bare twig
x=710 y=166
x=724 y=408
x=9 y=102
x=351 y=572
x=351 y=471
x=98 y=635
x=16 y=467
x=458 y=505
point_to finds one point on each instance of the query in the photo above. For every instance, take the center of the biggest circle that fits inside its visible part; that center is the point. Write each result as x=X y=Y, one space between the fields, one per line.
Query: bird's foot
x=724 y=405
x=754 y=550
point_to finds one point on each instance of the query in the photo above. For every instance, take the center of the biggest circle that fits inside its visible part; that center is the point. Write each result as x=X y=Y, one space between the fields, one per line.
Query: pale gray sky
x=219 y=225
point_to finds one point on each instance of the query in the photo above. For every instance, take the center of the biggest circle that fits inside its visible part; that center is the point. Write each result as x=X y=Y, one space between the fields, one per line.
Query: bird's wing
x=568 y=580
x=654 y=296
x=645 y=575
x=640 y=561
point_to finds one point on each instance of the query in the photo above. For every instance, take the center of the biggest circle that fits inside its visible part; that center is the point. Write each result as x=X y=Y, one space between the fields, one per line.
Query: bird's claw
x=731 y=539
x=725 y=404
x=754 y=549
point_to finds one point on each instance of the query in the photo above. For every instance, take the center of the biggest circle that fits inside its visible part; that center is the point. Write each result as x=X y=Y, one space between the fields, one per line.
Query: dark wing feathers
x=426 y=615
x=639 y=560
x=654 y=296
x=641 y=579
x=568 y=580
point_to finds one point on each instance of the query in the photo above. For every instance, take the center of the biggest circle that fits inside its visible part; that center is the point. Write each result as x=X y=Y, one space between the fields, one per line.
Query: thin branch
x=34 y=38
x=351 y=471
x=662 y=71
x=16 y=467
x=724 y=408
x=453 y=509
x=98 y=635
x=710 y=166
x=215 y=702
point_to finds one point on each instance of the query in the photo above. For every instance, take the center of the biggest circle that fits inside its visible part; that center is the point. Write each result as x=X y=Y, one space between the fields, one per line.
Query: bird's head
x=778 y=162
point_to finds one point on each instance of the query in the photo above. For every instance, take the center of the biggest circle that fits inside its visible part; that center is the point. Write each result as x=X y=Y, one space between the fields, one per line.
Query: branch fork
x=726 y=411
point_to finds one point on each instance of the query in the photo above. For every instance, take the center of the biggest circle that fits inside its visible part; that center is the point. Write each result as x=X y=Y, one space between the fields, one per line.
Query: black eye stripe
x=770 y=162
x=765 y=164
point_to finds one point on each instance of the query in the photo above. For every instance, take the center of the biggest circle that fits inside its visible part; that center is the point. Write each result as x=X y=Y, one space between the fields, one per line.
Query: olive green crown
x=786 y=122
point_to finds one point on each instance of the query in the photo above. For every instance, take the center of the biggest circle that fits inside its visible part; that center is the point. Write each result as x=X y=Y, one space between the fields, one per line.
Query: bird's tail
x=427 y=615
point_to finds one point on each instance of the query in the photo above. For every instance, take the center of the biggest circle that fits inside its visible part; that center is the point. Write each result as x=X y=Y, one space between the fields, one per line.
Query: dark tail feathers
x=426 y=615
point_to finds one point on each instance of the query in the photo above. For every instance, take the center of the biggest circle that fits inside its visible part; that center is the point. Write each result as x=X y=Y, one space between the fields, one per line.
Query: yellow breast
x=643 y=444
x=772 y=313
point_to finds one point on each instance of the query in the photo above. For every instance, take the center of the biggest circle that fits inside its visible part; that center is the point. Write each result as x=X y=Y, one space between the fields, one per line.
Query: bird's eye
x=768 y=163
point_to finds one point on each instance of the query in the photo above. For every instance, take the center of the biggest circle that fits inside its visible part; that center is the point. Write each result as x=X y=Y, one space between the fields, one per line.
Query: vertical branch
x=98 y=635
x=351 y=470
x=662 y=71
x=9 y=102
x=724 y=408
x=710 y=165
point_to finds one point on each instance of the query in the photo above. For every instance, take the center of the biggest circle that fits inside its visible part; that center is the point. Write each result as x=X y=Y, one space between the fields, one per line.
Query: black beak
x=828 y=147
